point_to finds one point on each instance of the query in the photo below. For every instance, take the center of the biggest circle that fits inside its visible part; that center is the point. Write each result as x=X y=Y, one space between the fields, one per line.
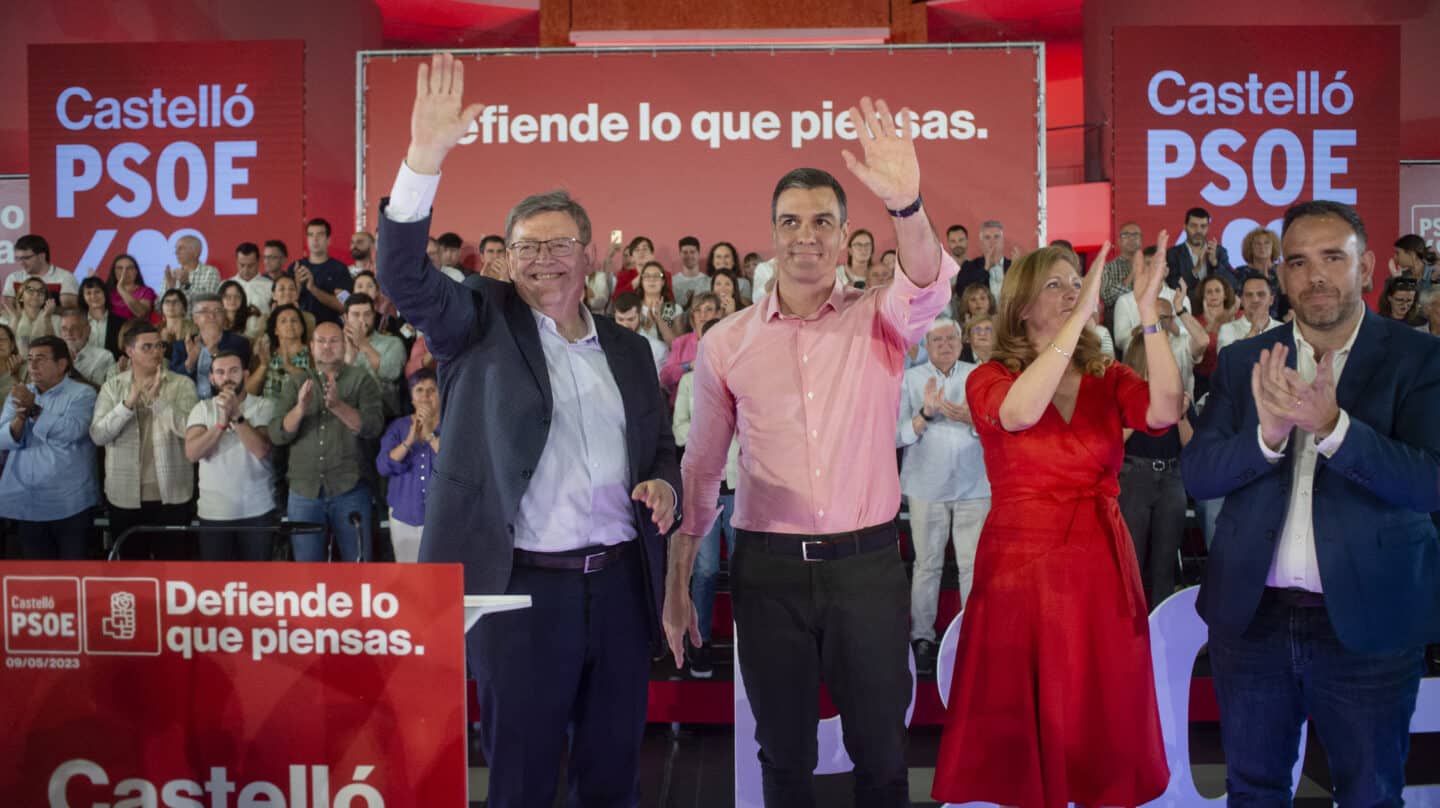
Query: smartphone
x=617 y=238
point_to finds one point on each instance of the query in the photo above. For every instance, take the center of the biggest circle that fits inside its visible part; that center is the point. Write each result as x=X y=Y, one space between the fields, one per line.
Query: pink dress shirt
x=814 y=401
x=682 y=352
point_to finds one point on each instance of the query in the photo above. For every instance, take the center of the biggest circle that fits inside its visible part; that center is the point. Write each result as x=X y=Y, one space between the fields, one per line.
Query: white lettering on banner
x=1170 y=155
x=204 y=110
x=496 y=124
x=78 y=168
x=1304 y=97
x=307 y=786
x=1176 y=636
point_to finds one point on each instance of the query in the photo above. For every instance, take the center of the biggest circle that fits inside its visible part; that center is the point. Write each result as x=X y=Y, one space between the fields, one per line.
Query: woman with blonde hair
x=1261 y=251
x=1053 y=697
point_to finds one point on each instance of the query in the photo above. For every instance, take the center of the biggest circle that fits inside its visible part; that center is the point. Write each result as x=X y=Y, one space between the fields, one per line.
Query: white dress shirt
x=258 y=292
x=764 y=271
x=1295 y=565
x=1127 y=316
x=997 y=277
x=95 y=364
x=946 y=463
x=1236 y=330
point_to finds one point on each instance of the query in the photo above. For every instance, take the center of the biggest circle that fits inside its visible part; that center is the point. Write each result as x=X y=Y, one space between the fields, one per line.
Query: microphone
x=359 y=524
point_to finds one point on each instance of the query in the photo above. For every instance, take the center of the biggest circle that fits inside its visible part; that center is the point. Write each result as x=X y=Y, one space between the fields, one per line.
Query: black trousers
x=1152 y=501
x=573 y=669
x=160 y=546
x=239 y=545
x=65 y=539
x=846 y=621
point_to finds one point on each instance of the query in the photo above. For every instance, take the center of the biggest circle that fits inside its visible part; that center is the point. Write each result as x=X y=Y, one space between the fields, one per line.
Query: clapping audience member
x=283 y=351
x=1255 y=319
x=942 y=476
x=48 y=486
x=227 y=435
x=724 y=256
x=258 y=288
x=1261 y=251
x=193 y=356
x=286 y=292
x=176 y=325
x=407 y=459
x=93 y=364
x=380 y=355
x=691 y=280
x=639 y=252
x=327 y=413
x=191 y=277
x=658 y=310
x=387 y=319
x=980 y=338
x=105 y=324
x=703 y=309
x=725 y=286
x=629 y=314
x=1152 y=495
x=33 y=314
x=129 y=297
x=140 y=419
x=1218 y=304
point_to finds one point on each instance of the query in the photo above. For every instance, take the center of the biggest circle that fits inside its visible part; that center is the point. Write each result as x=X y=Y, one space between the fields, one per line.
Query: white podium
x=477 y=606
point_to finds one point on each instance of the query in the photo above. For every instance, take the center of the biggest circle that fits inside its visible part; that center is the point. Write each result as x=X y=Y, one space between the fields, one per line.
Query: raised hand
x=1149 y=278
x=332 y=392
x=262 y=349
x=306 y=396
x=890 y=169
x=1090 y=285
x=438 y=119
x=169 y=277
x=152 y=388
x=1210 y=252
x=933 y=399
x=1273 y=397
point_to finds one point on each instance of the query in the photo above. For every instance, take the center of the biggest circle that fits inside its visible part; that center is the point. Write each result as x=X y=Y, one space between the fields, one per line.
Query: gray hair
x=206 y=298
x=944 y=322
x=558 y=201
x=995 y=223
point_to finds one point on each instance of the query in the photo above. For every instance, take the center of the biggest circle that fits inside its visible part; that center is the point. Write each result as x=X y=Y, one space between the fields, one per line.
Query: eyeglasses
x=207 y=312
x=530 y=250
x=149 y=347
x=38 y=359
x=1129 y=235
x=25 y=257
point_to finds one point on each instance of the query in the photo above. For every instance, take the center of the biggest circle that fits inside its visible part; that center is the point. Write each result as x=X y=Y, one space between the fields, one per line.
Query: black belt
x=1300 y=598
x=828 y=547
x=1155 y=464
x=586 y=559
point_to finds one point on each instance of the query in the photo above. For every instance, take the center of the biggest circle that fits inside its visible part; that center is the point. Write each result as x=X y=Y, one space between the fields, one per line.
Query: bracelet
x=907 y=211
x=1153 y=328
x=1057 y=350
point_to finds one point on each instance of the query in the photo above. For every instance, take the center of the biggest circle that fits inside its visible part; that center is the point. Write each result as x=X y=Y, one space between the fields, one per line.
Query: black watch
x=237 y=420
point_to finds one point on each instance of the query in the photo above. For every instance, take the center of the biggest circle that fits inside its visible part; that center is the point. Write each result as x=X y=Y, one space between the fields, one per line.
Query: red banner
x=1242 y=122
x=14 y=219
x=133 y=146
x=673 y=143
x=232 y=684
x=1420 y=201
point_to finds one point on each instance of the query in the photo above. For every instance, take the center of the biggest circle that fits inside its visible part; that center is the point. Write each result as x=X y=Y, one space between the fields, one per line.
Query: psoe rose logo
x=122 y=616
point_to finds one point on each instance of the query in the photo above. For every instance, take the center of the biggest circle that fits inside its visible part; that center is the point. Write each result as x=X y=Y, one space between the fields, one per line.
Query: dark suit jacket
x=496 y=395
x=229 y=341
x=1180 y=264
x=113 y=324
x=1375 y=542
x=975 y=271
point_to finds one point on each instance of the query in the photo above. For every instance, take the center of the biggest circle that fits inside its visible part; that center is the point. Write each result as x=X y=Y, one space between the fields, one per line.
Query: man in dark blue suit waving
x=1323 y=584
x=557 y=478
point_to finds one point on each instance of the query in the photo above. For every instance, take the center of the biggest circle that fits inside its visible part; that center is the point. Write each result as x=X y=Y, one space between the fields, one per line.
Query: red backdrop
x=1420 y=201
x=134 y=145
x=685 y=186
x=1247 y=138
x=134 y=679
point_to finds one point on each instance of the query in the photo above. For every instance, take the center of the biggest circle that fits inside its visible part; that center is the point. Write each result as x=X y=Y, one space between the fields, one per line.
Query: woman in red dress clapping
x=1053 y=698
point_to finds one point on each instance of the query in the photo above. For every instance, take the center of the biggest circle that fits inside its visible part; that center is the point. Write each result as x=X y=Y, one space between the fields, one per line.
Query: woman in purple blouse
x=407 y=455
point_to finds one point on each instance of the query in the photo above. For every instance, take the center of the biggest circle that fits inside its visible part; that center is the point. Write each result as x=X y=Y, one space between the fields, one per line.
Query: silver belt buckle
x=1159 y=465
x=805 y=550
x=592 y=557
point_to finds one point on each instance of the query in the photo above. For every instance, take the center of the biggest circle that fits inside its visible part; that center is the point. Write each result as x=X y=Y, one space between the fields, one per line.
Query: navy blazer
x=975 y=271
x=1374 y=539
x=495 y=393
x=1180 y=264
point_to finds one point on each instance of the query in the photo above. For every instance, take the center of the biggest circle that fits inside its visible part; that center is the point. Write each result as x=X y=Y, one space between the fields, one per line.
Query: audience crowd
x=295 y=389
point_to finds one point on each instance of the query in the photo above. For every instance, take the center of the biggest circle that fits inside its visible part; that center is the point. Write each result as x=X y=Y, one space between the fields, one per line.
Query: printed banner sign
x=133 y=146
x=189 y=684
x=14 y=219
x=1247 y=138
x=673 y=143
x=1419 y=201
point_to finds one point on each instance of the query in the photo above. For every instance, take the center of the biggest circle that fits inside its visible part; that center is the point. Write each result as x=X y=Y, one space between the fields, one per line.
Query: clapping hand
x=955 y=410
x=332 y=393
x=303 y=276
x=1210 y=252
x=1284 y=401
x=890 y=169
x=24 y=399
x=306 y=396
x=933 y=399
x=1150 y=278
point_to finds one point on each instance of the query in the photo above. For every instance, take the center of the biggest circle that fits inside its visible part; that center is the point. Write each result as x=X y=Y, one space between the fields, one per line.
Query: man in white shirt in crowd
x=627 y=315
x=32 y=253
x=450 y=245
x=275 y=255
x=691 y=279
x=192 y=277
x=1255 y=302
x=258 y=288
x=942 y=477
x=992 y=264
x=92 y=362
x=362 y=253
x=227 y=436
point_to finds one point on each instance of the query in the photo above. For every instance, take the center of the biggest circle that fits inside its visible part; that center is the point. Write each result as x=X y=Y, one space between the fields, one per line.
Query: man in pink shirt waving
x=809 y=382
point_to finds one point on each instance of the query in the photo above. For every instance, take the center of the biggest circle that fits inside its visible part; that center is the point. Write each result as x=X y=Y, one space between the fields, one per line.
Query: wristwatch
x=237 y=420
